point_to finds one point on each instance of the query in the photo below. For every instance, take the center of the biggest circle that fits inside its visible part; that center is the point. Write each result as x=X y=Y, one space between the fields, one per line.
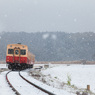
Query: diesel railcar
x=18 y=57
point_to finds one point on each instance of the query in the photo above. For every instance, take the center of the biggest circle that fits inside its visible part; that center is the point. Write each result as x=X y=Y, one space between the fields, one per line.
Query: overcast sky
x=47 y=15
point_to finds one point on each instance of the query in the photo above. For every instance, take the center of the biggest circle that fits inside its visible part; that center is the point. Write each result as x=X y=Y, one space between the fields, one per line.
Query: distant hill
x=52 y=46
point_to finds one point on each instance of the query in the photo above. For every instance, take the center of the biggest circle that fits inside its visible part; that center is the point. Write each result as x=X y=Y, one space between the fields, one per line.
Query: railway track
x=17 y=93
x=34 y=85
x=42 y=89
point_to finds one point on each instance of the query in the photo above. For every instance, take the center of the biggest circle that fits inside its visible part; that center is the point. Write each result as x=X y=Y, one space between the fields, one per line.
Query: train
x=18 y=57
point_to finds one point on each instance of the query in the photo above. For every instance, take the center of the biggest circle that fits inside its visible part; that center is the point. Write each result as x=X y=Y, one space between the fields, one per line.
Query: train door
x=16 y=55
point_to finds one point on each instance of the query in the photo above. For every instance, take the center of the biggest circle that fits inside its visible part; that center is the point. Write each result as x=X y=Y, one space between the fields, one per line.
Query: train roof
x=16 y=45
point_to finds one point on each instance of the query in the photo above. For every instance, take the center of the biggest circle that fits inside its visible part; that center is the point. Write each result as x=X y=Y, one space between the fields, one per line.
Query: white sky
x=47 y=15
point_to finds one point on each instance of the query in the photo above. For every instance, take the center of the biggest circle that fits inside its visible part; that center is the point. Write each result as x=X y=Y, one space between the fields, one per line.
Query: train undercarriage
x=18 y=66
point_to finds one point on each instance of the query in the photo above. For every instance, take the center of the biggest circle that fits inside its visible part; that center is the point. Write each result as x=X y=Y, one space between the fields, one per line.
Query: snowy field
x=80 y=76
x=48 y=88
x=6 y=90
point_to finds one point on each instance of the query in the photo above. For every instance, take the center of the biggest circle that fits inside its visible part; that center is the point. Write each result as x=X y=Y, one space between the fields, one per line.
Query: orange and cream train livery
x=18 y=57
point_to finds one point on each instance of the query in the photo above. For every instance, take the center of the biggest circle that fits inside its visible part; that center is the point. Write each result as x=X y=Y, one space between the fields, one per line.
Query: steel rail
x=17 y=93
x=42 y=89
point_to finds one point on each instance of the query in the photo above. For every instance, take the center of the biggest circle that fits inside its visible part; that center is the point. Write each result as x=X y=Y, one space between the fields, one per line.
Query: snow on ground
x=49 y=88
x=80 y=75
x=3 y=66
x=22 y=86
x=4 y=87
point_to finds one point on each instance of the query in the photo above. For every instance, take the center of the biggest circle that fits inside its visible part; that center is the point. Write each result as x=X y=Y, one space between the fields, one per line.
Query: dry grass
x=65 y=62
x=60 y=62
x=2 y=62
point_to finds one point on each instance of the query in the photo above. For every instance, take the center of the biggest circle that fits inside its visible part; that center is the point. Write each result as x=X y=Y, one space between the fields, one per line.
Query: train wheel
x=31 y=66
x=13 y=68
x=9 y=67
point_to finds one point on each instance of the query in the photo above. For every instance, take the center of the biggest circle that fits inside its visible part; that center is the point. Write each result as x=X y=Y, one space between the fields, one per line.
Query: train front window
x=10 y=51
x=23 y=52
x=16 y=52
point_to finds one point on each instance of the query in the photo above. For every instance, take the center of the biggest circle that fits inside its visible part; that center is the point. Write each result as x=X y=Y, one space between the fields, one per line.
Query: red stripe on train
x=11 y=59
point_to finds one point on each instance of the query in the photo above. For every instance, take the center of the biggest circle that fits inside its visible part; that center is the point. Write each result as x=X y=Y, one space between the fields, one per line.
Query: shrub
x=68 y=79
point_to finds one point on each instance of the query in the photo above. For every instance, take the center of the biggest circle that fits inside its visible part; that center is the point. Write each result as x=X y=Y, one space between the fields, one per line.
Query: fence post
x=88 y=87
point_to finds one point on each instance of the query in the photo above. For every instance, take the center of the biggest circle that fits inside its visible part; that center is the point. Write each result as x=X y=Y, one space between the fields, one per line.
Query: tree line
x=52 y=46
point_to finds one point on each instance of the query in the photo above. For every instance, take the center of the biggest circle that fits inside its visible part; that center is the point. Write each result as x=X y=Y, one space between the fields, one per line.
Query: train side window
x=23 y=52
x=10 y=51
